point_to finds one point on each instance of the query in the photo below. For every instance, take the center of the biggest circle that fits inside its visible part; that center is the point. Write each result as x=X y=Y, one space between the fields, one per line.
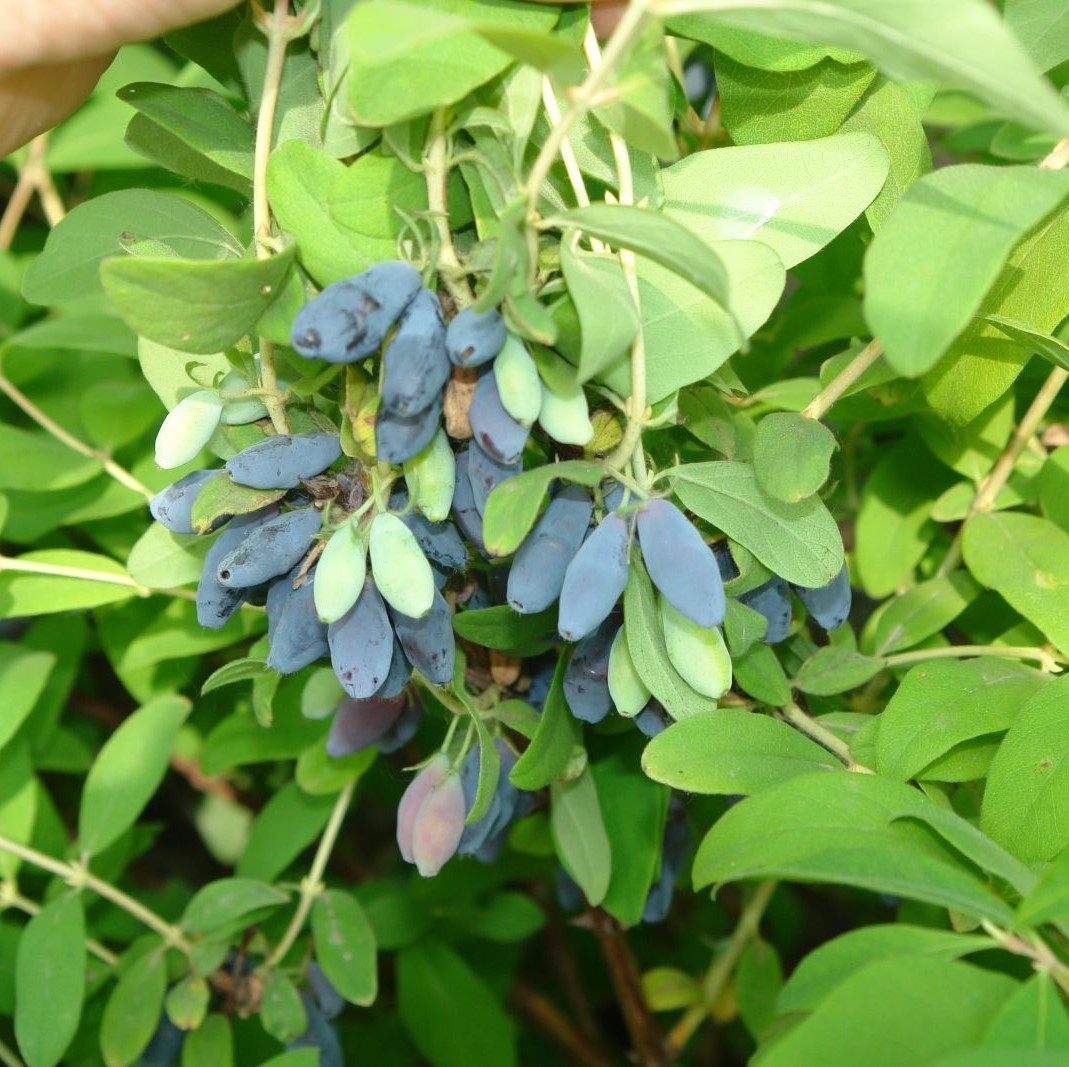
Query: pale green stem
x=10 y=897
x=123 y=477
x=835 y=389
x=822 y=735
x=1033 y=948
x=8 y=1057
x=276 y=28
x=436 y=173
x=1047 y=660
x=994 y=483
x=312 y=885
x=80 y=877
x=721 y=968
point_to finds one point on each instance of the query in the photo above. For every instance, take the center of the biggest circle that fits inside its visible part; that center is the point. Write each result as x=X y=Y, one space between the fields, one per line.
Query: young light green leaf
x=792 y=455
x=194 y=305
x=50 y=981
x=1043 y=28
x=36 y=462
x=133 y=1009
x=288 y=823
x=85 y=580
x=579 y=835
x=919 y=613
x=835 y=669
x=221 y=903
x=942 y=249
x=1025 y=558
x=799 y=542
x=237 y=670
x=128 y=771
x=489 y=770
x=1050 y=348
x=500 y=627
x=164 y=560
x=557 y=734
x=23 y=676
x=731 y=753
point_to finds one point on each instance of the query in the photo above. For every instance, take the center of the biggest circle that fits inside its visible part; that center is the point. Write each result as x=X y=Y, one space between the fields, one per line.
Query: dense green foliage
x=735 y=290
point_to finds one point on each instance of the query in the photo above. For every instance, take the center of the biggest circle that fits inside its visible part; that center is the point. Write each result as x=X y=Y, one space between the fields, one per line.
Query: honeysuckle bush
x=530 y=542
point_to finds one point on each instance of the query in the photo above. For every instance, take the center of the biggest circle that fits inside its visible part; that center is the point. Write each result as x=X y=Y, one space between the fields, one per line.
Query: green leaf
x=579 y=835
x=210 y=1045
x=19 y=802
x=50 y=981
x=835 y=669
x=657 y=237
x=608 y=319
x=513 y=506
x=133 y=1009
x=1048 y=900
x=194 y=306
x=500 y=627
x=68 y=268
x=1025 y=558
x=634 y=819
x=794 y=196
x=828 y=966
x=345 y=946
x=942 y=704
x=288 y=823
x=281 y=1009
x=203 y=121
x=1042 y=344
x=98 y=580
x=164 y=560
x=396 y=52
x=743 y=627
x=1026 y=800
x=958 y=42
x=489 y=770
x=943 y=248
x=223 y=902
x=920 y=612
x=23 y=676
x=36 y=461
x=128 y=771
x=759 y=673
x=451 y=1014
x=757 y=49
x=237 y=670
x=758 y=982
x=1033 y=1018
x=298 y=1057
x=557 y=734
x=948 y=1004
x=846 y=830
x=1042 y=27
x=799 y=542
x=187 y=1002
x=220 y=497
x=731 y=753
x=644 y=631
x=761 y=107
x=792 y=455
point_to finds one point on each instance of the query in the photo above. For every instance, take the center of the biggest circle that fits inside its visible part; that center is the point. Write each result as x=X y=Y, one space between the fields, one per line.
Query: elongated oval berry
x=676 y=848
x=215 y=602
x=340 y=573
x=358 y=724
x=725 y=561
x=594 y=579
x=439 y=540
x=349 y=319
x=680 y=563
x=772 y=600
x=698 y=653
x=361 y=644
x=428 y=642
x=331 y=1002
x=415 y=364
x=502 y=807
x=628 y=691
x=172 y=507
x=399 y=674
x=319 y=1035
x=586 y=686
x=474 y=337
x=536 y=576
x=565 y=416
x=438 y=826
x=829 y=605
x=518 y=383
x=298 y=637
x=493 y=428
x=403 y=730
x=284 y=460
x=467 y=516
x=400 y=437
x=399 y=567
x=415 y=793
x=651 y=720
x=270 y=549
x=188 y=427
x=431 y=476
x=486 y=473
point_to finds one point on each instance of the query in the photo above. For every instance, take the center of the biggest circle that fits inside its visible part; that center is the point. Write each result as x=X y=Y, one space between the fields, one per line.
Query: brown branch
x=544 y=1014
x=573 y=987
x=645 y=1034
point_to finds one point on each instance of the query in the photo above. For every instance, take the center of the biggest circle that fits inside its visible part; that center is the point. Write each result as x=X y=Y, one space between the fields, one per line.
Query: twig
x=23 y=192
x=80 y=877
x=994 y=483
x=312 y=885
x=550 y=1020
x=835 y=389
x=573 y=987
x=81 y=573
x=721 y=968
x=8 y=1057
x=436 y=171
x=276 y=29
x=1047 y=659
x=822 y=735
x=623 y=971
